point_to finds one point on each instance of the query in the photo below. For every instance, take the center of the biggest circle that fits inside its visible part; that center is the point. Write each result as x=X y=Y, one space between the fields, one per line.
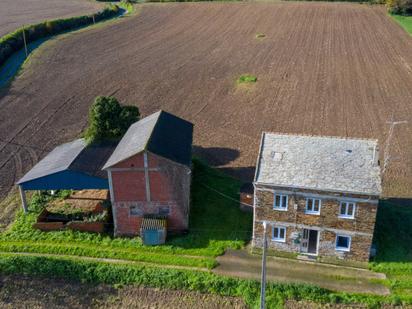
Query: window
x=136 y=211
x=280 y=202
x=347 y=210
x=278 y=233
x=313 y=206
x=164 y=211
x=343 y=243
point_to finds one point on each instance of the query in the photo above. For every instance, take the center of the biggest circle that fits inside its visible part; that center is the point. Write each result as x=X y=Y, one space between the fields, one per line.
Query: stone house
x=318 y=195
x=149 y=173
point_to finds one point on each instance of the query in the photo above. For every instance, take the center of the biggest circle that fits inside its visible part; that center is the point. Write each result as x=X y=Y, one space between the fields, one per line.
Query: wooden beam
x=23 y=199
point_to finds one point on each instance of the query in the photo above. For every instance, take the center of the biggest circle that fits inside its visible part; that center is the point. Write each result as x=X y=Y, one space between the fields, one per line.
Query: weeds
x=247 y=79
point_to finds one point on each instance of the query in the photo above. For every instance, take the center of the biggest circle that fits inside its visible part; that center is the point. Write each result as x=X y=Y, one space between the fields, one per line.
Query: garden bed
x=84 y=210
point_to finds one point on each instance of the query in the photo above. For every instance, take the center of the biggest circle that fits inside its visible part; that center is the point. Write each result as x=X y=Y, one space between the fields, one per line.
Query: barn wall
x=168 y=190
x=66 y=180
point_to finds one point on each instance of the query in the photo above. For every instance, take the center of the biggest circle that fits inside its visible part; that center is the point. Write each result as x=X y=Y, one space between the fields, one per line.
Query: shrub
x=402 y=7
x=109 y=120
x=247 y=78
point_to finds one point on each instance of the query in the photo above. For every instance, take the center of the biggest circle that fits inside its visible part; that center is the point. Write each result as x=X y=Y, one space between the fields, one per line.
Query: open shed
x=71 y=166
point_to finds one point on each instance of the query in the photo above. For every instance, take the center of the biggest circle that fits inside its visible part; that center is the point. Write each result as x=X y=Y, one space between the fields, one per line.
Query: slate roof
x=319 y=163
x=160 y=133
x=75 y=156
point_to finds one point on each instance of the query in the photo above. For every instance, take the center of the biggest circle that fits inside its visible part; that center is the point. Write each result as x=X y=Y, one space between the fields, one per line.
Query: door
x=313 y=242
x=309 y=243
x=305 y=241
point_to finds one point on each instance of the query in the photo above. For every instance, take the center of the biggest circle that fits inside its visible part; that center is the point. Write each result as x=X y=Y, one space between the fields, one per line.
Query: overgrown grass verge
x=404 y=21
x=14 y=41
x=216 y=223
x=205 y=282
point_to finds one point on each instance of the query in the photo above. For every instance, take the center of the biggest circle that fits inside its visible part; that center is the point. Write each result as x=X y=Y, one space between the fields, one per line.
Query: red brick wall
x=169 y=187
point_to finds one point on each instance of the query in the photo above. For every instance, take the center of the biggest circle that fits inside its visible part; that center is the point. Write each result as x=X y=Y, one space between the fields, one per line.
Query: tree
x=403 y=7
x=108 y=120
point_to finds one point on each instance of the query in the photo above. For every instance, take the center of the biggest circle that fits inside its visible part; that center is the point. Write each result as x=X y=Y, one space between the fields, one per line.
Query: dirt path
x=16 y=13
x=240 y=263
x=323 y=68
x=28 y=292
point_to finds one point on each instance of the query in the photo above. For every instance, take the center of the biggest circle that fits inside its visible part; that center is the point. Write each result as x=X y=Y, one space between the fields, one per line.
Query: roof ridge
x=322 y=136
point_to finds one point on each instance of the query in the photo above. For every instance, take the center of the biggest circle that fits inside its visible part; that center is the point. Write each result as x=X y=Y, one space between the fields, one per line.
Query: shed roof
x=160 y=133
x=75 y=156
x=320 y=163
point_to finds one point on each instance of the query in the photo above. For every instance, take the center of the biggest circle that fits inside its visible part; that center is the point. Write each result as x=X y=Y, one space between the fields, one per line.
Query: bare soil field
x=29 y=292
x=16 y=13
x=323 y=68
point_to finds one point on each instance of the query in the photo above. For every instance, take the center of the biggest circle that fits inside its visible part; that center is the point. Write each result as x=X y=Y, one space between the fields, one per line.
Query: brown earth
x=16 y=13
x=323 y=68
x=29 y=292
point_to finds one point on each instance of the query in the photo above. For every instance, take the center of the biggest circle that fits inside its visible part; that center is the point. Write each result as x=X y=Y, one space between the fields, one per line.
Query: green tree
x=403 y=7
x=109 y=120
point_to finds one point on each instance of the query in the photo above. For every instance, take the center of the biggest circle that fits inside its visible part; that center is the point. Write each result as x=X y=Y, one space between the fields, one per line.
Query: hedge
x=205 y=282
x=13 y=41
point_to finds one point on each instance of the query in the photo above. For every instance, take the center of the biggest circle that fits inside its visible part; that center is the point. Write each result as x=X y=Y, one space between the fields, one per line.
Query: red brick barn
x=149 y=173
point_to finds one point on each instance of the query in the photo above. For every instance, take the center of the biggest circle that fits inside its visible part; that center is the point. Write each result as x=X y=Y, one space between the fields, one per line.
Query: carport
x=70 y=166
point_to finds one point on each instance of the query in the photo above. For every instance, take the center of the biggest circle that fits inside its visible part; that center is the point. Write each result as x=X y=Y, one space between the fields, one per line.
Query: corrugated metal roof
x=160 y=133
x=75 y=156
x=320 y=163
x=59 y=159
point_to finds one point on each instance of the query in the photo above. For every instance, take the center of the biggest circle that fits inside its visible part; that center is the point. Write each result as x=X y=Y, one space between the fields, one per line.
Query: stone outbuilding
x=149 y=174
x=319 y=196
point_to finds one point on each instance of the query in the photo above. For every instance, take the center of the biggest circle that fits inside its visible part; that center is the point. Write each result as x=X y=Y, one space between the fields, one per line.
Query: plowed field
x=16 y=13
x=322 y=68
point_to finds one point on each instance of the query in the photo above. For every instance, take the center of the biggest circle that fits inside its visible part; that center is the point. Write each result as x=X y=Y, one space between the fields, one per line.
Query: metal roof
x=160 y=133
x=74 y=156
x=319 y=163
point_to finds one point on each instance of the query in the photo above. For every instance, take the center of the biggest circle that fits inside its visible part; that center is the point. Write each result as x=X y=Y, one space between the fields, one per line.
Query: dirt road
x=16 y=13
x=323 y=68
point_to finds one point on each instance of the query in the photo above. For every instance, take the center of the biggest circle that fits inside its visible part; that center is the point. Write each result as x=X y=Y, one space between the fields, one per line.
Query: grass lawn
x=404 y=21
x=393 y=237
x=216 y=223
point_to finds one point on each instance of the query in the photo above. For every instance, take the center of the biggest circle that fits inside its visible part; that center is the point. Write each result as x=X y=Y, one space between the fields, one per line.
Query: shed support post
x=23 y=199
x=109 y=173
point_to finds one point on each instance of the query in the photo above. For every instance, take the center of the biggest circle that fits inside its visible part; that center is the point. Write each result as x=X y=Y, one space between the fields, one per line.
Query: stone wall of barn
x=328 y=223
x=165 y=191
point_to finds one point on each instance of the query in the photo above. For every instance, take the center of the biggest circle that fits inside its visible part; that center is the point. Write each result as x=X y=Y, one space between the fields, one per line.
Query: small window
x=313 y=206
x=164 y=211
x=278 y=233
x=343 y=243
x=136 y=211
x=347 y=210
x=280 y=202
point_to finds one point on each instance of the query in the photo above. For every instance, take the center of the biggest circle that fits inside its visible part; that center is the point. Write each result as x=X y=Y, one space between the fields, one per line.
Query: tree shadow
x=392 y=236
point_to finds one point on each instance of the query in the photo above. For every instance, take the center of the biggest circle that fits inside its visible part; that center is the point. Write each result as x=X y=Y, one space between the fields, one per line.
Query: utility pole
x=387 y=158
x=263 y=282
x=24 y=41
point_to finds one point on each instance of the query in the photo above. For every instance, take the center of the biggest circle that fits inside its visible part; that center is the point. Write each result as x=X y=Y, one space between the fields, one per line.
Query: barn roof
x=75 y=156
x=160 y=133
x=319 y=163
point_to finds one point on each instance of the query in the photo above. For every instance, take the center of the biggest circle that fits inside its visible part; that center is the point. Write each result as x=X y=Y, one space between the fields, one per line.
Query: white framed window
x=280 y=202
x=313 y=206
x=135 y=211
x=343 y=242
x=279 y=233
x=347 y=210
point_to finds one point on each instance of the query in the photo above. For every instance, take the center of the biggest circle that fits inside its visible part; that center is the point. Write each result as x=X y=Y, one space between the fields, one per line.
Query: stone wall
x=328 y=223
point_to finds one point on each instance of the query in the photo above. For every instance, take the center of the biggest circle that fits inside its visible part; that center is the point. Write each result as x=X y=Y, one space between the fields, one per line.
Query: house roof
x=160 y=133
x=75 y=156
x=319 y=163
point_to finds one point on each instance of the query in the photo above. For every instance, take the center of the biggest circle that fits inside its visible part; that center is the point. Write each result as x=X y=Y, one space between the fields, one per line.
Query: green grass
x=393 y=238
x=216 y=223
x=205 y=282
x=404 y=21
x=247 y=79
